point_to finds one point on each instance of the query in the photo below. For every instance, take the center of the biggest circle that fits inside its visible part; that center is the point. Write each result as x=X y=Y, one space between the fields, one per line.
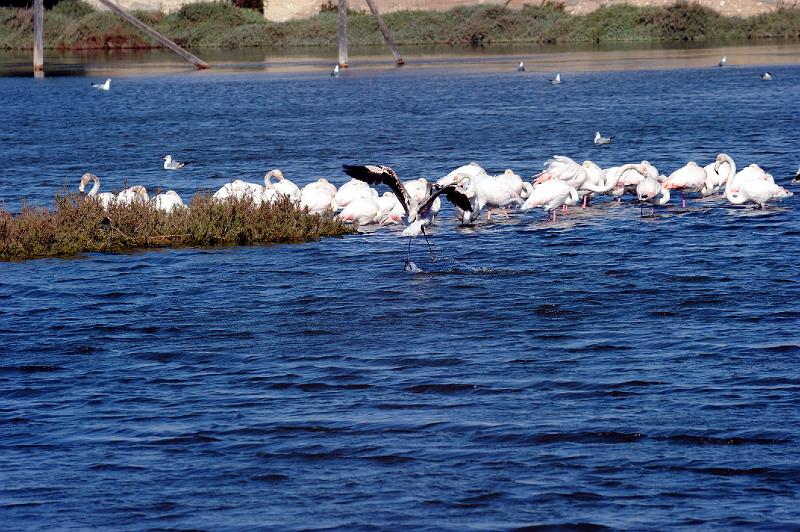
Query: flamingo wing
x=380 y=175
x=565 y=169
x=454 y=195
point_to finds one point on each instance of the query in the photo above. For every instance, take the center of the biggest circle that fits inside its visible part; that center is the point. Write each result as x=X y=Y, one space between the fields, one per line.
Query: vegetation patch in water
x=72 y=24
x=77 y=225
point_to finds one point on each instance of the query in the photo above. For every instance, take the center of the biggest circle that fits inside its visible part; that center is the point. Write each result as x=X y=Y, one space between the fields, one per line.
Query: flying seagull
x=556 y=80
x=723 y=61
x=521 y=67
x=103 y=86
x=418 y=215
x=599 y=139
x=335 y=71
x=171 y=164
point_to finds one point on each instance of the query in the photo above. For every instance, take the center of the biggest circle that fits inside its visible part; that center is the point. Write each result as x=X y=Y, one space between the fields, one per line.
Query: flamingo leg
x=488 y=215
x=430 y=249
x=554 y=214
x=683 y=199
x=505 y=211
x=641 y=209
x=584 y=200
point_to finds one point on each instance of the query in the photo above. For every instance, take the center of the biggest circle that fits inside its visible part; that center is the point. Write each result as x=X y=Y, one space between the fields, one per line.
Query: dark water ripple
x=606 y=371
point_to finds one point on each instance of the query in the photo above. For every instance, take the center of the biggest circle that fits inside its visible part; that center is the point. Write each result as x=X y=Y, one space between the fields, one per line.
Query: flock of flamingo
x=471 y=190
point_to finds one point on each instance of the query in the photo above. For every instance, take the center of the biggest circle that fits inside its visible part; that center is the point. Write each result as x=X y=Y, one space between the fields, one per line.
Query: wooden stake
x=386 y=35
x=154 y=34
x=38 y=38
x=343 y=33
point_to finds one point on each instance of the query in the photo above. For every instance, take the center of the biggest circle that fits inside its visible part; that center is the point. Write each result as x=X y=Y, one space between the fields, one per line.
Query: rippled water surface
x=606 y=369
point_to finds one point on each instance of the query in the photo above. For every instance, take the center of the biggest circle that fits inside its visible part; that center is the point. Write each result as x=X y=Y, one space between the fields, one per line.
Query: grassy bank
x=72 y=24
x=76 y=225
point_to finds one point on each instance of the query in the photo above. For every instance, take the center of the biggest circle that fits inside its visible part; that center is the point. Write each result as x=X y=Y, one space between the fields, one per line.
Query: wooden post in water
x=38 y=38
x=154 y=34
x=342 y=33
x=386 y=35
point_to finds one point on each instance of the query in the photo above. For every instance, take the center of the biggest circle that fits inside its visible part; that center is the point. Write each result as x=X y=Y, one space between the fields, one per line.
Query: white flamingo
x=629 y=178
x=515 y=182
x=322 y=184
x=105 y=198
x=283 y=186
x=136 y=194
x=758 y=191
x=551 y=195
x=714 y=179
x=471 y=215
x=391 y=209
x=317 y=196
x=350 y=191
x=689 y=178
x=473 y=170
x=752 y=172
x=363 y=211
x=238 y=190
x=168 y=201
x=650 y=190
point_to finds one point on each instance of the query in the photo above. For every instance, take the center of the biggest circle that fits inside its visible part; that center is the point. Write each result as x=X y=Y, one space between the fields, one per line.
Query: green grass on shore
x=72 y=24
x=78 y=225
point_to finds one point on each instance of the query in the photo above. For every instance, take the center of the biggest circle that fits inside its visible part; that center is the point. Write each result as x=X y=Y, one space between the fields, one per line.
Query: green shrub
x=79 y=225
x=683 y=21
x=72 y=8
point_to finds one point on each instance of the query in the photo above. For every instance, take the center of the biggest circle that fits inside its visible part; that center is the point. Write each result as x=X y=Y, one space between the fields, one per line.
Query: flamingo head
x=647 y=166
x=541 y=178
x=463 y=182
x=85 y=178
x=277 y=174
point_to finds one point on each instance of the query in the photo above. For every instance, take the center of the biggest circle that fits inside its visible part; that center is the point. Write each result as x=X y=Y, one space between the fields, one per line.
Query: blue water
x=608 y=369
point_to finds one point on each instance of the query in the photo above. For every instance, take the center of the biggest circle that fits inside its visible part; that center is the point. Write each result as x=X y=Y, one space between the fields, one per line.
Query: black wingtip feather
x=384 y=175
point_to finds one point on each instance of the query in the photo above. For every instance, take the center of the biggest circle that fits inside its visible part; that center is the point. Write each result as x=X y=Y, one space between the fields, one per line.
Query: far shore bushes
x=76 y=224
x=74 y=25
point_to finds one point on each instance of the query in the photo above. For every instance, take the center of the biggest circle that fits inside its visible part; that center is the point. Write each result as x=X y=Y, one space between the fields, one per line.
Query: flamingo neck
x=736 y=199
x=95 y=186
x=664 y=199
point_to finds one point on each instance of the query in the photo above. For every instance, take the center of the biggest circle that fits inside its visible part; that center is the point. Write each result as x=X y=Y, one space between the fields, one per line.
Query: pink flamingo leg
x=554 y=214
x=584 y=201
x=683 y=196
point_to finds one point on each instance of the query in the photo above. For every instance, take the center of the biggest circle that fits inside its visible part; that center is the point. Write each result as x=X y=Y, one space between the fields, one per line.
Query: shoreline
x=498 y=59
